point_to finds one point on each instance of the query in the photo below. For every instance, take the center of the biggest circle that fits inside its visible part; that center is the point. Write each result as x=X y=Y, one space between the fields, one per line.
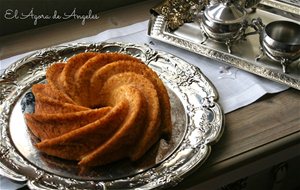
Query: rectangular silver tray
x=243 y=55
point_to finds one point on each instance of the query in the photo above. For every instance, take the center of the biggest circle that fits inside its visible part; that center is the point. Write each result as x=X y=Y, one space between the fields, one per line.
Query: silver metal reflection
x=280 y=41
x=197 y=120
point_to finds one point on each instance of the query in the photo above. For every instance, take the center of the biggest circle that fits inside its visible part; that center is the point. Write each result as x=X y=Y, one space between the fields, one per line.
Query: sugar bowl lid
x=226 y=12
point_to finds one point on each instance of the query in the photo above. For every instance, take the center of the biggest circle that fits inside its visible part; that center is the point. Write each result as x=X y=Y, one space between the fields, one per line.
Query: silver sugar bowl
x=280 y=41
x=224 y=22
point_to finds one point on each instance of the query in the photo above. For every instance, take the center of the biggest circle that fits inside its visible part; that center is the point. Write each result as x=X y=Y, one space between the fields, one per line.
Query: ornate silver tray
x=197 y=123
x=244 y=52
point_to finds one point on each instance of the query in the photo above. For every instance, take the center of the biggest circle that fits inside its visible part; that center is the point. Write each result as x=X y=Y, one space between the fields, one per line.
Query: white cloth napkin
x=236 y=88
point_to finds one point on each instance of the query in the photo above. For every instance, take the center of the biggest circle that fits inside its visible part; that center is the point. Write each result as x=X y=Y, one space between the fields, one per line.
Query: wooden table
x=255 y=137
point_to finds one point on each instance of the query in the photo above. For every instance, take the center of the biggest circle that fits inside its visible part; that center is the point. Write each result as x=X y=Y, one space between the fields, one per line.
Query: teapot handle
x=258 y=27
x=257 y=24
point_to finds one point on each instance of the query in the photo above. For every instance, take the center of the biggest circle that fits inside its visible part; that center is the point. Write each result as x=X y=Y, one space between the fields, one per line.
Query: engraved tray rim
x=157 y=29
x=192 y=152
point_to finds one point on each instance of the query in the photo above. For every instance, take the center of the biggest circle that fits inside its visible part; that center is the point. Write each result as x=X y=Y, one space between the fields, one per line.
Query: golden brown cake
x=98 y=108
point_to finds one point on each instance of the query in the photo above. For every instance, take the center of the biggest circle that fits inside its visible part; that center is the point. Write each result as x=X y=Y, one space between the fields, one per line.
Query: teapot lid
x=225 y=13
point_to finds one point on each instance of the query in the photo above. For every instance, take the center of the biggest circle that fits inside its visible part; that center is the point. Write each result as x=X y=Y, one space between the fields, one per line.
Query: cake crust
x=98 y=108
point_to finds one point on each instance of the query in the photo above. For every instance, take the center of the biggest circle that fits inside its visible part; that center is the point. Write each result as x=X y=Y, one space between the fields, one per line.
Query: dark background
x=47 y=7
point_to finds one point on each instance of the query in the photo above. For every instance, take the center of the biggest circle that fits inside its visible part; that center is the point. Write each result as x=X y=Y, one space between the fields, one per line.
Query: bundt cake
x=98 y=108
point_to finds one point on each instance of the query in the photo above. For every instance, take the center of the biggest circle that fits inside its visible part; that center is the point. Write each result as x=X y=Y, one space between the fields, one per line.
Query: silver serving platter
x=197 y=118
x=244 y=52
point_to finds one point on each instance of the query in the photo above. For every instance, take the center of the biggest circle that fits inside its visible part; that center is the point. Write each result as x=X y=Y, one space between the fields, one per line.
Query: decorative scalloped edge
x=188 y=82
x=282 y=6
x=158 y=31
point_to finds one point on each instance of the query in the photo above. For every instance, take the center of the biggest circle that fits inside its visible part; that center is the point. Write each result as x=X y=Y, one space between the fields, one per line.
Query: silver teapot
x=224 y=22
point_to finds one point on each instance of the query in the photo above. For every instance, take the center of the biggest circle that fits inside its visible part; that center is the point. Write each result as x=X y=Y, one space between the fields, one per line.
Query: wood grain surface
x=268 y=126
